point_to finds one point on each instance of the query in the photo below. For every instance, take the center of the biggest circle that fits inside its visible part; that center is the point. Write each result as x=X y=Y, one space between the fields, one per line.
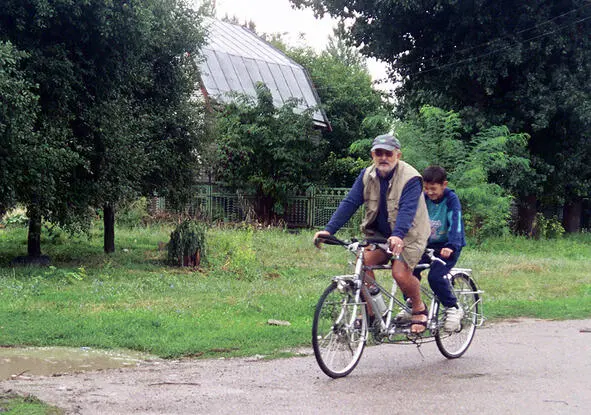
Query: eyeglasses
x=381 y=152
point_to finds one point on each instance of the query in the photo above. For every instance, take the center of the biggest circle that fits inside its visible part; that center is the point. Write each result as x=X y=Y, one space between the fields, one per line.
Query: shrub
x=545 y=228
x=187 y=244
x=15 y=217
x=133 y=213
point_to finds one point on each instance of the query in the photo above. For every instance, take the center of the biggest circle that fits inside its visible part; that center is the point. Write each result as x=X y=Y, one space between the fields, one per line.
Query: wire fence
x=311 y=208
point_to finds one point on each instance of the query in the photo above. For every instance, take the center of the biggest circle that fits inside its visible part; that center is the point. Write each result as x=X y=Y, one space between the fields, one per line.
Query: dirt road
x=519 y=367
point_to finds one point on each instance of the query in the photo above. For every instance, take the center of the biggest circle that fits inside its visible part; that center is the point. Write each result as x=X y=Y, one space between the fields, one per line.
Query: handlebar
x=381 y=243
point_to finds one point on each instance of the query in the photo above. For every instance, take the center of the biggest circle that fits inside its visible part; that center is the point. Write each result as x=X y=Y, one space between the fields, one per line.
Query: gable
x=236 y=59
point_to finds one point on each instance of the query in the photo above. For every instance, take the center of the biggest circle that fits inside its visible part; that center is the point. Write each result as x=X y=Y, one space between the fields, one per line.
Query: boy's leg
x=443 y=290
x=439 y=284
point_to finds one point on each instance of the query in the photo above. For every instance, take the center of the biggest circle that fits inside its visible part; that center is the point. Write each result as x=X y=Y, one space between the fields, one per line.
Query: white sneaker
x=453 y=319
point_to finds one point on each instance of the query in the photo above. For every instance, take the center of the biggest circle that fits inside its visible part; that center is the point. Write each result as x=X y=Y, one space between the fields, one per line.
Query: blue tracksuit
x=447 y=231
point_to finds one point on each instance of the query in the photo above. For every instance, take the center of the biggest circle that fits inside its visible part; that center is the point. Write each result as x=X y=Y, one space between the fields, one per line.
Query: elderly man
x=392 y=192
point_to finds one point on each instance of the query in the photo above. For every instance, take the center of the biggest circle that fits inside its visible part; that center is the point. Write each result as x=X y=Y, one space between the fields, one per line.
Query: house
x=236 y=59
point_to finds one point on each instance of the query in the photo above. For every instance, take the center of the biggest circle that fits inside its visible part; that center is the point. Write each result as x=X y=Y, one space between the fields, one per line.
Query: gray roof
x=235 y=59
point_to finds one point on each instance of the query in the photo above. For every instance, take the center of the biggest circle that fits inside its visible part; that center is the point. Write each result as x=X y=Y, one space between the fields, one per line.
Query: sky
x=277 y=16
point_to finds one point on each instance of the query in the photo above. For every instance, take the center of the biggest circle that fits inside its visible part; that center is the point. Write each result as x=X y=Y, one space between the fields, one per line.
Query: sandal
x=422 y=323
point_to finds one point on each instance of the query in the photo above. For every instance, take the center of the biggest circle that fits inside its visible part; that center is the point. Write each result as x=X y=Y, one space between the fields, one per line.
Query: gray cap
x=386 y=142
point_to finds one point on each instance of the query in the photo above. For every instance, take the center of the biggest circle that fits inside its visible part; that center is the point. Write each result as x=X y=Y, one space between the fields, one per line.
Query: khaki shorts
x=411 y=254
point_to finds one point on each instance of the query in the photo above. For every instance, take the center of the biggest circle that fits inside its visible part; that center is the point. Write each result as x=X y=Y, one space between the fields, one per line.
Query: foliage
x=188 y=240
x=547 y=228
x=433 y=137
x=527 y=69
x=487 y=169
x=270 y=150
x=32 y=165
x=15 y=217
x=356 y=110
x=342 y=171
x=133 y=213
x=115 y=82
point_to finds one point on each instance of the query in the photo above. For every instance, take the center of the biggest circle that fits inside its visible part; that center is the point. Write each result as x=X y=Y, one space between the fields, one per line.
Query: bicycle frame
x=386 y=326
x=341 y=323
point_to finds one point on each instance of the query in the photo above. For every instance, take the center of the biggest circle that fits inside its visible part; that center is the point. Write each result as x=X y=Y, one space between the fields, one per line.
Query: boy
x=447 y=239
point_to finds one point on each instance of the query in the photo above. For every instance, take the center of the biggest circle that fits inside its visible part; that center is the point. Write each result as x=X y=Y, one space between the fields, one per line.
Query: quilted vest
x=415 y=240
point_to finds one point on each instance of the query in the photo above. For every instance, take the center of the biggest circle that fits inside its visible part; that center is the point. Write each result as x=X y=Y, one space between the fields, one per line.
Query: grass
x=132 y=299
x=11 y=404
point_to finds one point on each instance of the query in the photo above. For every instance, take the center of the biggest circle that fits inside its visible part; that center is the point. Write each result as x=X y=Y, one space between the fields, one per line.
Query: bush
x=133 y=213
x=187 y=244
x=15 y=217
x=545 y=228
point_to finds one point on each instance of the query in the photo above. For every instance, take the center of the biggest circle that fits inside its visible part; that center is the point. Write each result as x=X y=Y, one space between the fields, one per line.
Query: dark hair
x=434 y=174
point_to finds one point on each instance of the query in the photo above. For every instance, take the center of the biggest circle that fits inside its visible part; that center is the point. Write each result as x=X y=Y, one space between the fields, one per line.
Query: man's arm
x=407 y=206
x=347 y=207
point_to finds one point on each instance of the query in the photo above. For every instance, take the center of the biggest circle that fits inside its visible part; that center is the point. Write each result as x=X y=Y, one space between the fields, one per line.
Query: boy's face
x=434 y=190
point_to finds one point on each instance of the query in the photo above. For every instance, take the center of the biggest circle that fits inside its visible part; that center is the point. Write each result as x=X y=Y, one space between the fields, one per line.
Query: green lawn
x=132 y=299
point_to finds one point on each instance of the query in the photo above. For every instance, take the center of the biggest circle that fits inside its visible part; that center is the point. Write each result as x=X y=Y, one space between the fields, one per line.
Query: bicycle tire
x=454 y=345
x=339 y=331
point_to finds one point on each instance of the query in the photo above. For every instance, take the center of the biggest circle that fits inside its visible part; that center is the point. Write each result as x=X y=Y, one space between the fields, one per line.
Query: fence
x=311 y=208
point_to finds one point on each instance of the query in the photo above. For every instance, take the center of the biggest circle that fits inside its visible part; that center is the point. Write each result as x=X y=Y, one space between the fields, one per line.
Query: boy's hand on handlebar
x=446 y=252
x=319 y=236
x=396 y=245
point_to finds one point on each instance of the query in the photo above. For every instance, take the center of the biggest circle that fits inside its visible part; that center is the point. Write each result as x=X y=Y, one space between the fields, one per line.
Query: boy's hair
x=434 y=174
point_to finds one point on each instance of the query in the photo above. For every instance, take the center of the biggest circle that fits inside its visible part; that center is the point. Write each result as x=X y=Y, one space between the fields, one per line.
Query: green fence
x=311 y=208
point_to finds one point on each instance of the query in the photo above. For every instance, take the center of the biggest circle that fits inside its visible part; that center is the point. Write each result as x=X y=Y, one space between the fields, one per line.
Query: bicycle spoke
x=338 y=343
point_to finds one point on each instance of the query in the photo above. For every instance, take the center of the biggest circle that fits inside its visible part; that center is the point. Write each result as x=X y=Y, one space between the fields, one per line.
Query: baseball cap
x=386 y=142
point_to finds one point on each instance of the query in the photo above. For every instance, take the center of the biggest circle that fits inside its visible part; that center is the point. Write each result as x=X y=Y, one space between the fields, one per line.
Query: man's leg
x=410 y=286
x=375 y=257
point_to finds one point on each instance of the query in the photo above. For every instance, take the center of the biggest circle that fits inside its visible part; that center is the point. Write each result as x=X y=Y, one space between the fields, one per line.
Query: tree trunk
x=571 y=215
x=264 y=207
x=34 y=237
x=109 y=231
x=526 y=215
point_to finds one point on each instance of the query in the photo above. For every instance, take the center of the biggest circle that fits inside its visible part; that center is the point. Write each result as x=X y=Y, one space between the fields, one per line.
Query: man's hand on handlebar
x=396 y=245
x=318 y=238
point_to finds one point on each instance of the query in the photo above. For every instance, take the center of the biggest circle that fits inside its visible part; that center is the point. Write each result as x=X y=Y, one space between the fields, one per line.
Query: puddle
x=49 y=361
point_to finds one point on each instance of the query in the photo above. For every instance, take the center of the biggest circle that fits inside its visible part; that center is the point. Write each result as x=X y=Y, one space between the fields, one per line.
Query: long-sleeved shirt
x=445 y=215
x=407 y=207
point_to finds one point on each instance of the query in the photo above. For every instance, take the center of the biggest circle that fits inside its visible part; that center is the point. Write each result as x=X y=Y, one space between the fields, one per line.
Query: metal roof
x=235 y=59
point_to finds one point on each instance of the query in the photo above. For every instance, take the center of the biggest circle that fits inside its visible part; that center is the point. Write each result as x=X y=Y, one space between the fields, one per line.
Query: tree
x=486 y=170
x=272 y=151
x=355 y=109
x=525 y=65
x=17 y=119
x=115 y=82
x=32 y=166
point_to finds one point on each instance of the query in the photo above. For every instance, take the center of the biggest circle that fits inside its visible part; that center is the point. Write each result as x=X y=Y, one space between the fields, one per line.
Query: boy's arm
x=455 y=232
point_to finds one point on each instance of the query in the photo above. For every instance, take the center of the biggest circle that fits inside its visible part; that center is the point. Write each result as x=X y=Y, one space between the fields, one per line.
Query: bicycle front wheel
x=339 y=331
x=453 y=345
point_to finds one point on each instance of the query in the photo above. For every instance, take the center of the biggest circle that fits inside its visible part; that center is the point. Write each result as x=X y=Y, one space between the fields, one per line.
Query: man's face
x=385 y=160
x=434 y=190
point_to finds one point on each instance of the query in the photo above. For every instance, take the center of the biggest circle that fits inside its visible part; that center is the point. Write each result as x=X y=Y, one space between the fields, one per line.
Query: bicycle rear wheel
x=454 y=345
x=339 y=331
